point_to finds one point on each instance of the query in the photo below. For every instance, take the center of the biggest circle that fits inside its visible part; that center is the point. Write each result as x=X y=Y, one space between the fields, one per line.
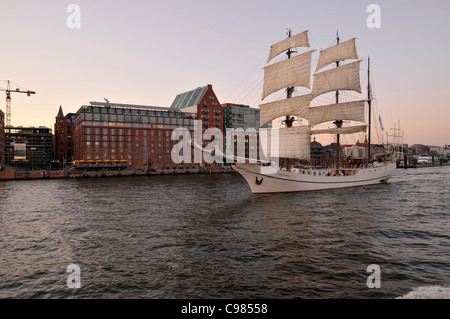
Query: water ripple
x=206 y=236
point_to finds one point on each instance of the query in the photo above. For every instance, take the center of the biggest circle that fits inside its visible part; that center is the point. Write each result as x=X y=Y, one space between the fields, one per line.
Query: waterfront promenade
x=10 y=173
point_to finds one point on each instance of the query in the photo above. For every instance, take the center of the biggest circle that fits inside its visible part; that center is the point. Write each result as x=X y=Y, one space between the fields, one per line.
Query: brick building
x=140 y=135
x=63 y=136
x=111 y=134
x=204 y=103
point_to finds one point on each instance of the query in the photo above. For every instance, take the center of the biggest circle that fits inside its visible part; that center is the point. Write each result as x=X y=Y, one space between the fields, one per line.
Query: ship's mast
x=289 y=121
x=369 y=103
x=338 y=123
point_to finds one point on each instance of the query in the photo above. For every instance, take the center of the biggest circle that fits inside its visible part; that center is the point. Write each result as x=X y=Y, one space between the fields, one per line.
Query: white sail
x=352 y=111
x=288 y=73
x=339 y=52
x=294 y=142
x=296 y=106
x=299 y=40
x=342 y=130
x=345 y=77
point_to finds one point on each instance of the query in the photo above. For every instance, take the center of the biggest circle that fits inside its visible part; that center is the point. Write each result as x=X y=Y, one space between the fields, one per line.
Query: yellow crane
x=8 y=100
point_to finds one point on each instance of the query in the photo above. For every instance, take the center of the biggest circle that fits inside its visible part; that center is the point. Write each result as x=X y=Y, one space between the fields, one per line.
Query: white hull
x=300 y=180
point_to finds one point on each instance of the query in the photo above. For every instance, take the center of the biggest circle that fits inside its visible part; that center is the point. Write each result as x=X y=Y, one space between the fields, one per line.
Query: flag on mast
x=381 y=123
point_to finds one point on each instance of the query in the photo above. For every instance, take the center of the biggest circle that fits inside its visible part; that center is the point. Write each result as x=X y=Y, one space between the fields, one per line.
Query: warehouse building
x=109 y=133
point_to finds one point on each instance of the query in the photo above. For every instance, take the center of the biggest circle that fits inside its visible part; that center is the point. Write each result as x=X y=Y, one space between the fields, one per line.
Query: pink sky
x=146 y=52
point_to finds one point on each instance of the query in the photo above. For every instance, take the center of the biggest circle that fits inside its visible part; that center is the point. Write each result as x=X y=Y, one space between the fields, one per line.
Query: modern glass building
x=2 y=138
x=28 y=147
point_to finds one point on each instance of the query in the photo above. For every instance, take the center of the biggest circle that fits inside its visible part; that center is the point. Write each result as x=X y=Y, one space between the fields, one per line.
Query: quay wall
x=9 y=173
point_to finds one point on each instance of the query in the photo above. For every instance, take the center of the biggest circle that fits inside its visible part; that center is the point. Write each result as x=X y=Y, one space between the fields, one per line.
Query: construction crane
x=8 y=100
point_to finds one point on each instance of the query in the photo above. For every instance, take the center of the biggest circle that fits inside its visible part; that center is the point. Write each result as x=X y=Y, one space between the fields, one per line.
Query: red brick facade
x=141 y=135
x=144 y=148
x=210 y=111
x=63 y=137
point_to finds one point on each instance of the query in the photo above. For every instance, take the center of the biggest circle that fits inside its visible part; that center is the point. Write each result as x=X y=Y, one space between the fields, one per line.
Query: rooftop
x=189 y=98
x=128 y=106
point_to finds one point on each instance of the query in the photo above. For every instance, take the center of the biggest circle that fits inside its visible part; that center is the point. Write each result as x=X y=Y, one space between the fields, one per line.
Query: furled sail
x=345 y=77
x=299 y=40
x=342 y=130
x=288 y=73
x=296 y=106
x=294 y=142
x=352 y=111
x=339 y=52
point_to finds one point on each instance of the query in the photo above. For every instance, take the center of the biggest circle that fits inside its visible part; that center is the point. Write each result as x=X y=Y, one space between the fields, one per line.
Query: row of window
x=206 y=111
x=135 y=112
x=213 y=104
x=107 y=138
x=189 y=126
x=129 y=132
x=207 y=124
x=217 y=118
x=120 y=144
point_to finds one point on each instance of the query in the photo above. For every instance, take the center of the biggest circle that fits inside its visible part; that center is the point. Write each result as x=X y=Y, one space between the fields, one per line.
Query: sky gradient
x=146 y=52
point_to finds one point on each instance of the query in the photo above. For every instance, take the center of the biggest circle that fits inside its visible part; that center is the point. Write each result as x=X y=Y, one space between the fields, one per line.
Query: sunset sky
x=146 y=52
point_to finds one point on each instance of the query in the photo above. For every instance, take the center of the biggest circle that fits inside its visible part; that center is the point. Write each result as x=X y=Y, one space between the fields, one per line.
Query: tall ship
x=293 y=151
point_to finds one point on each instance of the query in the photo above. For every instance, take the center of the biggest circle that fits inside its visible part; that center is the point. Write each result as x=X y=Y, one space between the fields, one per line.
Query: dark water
x=206 y=236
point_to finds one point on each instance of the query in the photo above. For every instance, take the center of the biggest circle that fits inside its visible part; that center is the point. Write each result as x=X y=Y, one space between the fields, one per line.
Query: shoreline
x=10 y=174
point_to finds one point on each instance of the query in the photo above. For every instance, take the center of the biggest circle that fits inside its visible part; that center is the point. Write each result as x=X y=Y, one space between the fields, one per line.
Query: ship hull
x=304 y=180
